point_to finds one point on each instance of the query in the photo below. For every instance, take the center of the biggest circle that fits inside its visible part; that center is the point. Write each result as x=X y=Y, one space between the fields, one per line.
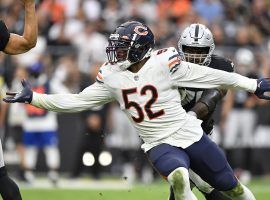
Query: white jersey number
x=147 y=107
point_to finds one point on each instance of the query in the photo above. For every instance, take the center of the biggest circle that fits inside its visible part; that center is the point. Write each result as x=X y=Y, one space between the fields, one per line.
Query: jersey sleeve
x=104 y=71
x=196 y=76
x=169 y=58
x=4 y=35
x=92 y=96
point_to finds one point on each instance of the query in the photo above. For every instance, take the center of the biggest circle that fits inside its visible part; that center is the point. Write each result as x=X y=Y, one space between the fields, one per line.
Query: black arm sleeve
x=205 y=107
x=211 y=98
x=207 y=103
x=4 y=35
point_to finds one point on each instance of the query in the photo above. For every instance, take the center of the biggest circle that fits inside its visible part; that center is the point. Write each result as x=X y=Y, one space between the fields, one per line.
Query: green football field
x=156 y=191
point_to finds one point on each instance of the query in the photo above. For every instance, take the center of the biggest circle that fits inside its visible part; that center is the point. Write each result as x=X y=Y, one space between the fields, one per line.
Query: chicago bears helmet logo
x=141 y=30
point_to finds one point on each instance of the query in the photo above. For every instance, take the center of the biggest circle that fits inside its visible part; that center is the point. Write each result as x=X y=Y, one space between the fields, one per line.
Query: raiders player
x=196 y=45
x=145 y=84
x=11 y=43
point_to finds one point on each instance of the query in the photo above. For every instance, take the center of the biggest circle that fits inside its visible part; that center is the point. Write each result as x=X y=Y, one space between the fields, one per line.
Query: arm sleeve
x=92 y=96
x=4 y=35
x=207 y=103
x=196 y=76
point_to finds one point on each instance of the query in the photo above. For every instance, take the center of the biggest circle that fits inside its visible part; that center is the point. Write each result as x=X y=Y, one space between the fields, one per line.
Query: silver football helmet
x=196 y=44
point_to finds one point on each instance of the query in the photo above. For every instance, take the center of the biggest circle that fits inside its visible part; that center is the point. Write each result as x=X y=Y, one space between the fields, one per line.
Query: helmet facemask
x=197 y=55
x=118 y=49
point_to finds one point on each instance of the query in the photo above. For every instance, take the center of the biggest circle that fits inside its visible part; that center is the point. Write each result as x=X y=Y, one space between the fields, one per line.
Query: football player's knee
x=179 y=179
x=236 y=191
x=225 y=182
x=166 y=167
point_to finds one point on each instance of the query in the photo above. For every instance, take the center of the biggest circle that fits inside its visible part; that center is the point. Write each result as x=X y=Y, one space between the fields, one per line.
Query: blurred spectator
x=138 y=10
x=237 y=11
x=112 y=14
x=40 y=128
x=248 y=36
x=173 y=9
x=92 y=9
x=260 y=16
x=218 y=34
x=142 y=8
x=62 y=33
x=211 y=10
x=71 y=7
x=16 y=116
x=66 y=77
x=261 y=145
x=165 y=36
x=91 y=46
x=54 y=10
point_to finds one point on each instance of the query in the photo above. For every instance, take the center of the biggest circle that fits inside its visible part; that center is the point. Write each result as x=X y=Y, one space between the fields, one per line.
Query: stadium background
x=71 y=45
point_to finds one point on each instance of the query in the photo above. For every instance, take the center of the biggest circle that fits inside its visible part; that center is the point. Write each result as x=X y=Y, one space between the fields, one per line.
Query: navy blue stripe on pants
x=204 y=157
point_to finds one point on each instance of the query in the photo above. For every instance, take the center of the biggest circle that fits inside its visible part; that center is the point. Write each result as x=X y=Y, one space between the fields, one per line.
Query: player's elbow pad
x=210 y=98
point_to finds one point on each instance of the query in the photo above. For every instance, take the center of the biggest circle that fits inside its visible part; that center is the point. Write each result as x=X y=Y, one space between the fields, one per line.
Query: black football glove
x=208 y=125
x=24 y=96
x=263 y=85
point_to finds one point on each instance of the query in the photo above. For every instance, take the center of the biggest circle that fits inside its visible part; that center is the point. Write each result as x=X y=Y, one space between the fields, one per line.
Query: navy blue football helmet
x=131 y=42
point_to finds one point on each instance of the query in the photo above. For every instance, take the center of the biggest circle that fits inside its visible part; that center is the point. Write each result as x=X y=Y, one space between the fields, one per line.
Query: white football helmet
x=196 y=44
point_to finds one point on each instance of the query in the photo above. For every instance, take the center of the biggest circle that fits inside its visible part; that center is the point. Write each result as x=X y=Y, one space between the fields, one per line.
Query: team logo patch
x=136 y=78
x=141 y=30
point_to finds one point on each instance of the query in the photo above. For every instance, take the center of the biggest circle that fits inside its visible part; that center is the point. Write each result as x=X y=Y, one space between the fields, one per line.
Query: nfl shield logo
x=136 y=77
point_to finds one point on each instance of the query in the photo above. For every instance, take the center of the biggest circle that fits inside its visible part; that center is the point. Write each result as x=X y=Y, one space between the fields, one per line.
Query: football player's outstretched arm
x=19 y=44
x=92 y=96
x=196 y=76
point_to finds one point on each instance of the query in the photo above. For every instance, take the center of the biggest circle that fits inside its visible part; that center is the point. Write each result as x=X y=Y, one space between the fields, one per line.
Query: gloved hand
x=24 y=96
x=263 y=85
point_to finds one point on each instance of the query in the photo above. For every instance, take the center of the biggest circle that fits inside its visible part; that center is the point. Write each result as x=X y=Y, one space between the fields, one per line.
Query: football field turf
x=155 y=191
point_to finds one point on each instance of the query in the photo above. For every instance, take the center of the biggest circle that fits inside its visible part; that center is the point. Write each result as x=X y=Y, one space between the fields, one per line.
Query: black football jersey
x=194 y=94
x=4 y=35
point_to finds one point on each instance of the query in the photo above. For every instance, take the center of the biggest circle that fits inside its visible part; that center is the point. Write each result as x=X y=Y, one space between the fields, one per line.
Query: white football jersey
x=150 y=97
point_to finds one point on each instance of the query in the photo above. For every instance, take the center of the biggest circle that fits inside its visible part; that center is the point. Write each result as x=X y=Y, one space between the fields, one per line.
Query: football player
x=40 y=128
x=196 y=45
x=145 y=84
x=11 y=43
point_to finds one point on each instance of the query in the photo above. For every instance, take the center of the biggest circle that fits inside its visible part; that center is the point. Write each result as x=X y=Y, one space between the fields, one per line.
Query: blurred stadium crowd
x=71 y=47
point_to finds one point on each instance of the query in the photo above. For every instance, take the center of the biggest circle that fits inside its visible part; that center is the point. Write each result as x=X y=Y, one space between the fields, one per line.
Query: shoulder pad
x=170 y=58
x=105 y=70
x=221 y=63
